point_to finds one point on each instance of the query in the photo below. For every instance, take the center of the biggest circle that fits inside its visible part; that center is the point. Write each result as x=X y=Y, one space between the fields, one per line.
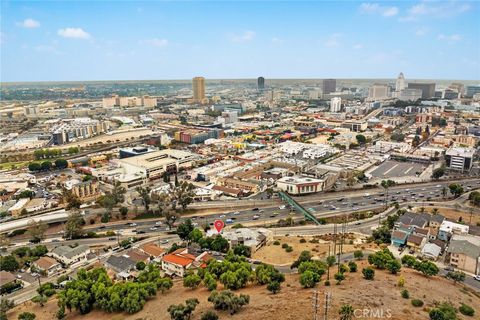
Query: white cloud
x=29 y=24
x=156 y=42
x=420 y=32
x=244 y=37
x=333 y=40
x=442 y=9
x=358 y=46
x=74 y=33
x=449 y=38
x=375 y=8
x=277 y=40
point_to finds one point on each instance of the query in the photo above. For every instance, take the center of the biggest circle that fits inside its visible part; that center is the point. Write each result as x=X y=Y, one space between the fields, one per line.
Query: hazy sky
x=95 y=40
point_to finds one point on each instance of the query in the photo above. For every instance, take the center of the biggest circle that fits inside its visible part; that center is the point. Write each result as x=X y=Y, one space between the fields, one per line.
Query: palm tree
x=386 y=184
x=346 y=312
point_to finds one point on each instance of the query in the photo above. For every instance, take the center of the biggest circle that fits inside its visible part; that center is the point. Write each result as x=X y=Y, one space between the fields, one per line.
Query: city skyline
x=239 y=40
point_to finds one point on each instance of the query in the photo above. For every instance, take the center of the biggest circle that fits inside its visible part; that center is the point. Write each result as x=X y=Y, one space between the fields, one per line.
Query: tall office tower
x=198 y=89
x=329 y=86
x=336 y=104
x=428 y=89
x=378 y=91
x=471 y=91
x=400 y=84
x=261 y=83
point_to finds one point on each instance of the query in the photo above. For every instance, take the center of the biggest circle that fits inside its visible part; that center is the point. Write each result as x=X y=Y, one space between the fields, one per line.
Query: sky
x=156 y=40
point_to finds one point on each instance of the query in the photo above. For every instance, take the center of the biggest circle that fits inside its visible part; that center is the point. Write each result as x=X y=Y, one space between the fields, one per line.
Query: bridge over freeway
x=298 y=207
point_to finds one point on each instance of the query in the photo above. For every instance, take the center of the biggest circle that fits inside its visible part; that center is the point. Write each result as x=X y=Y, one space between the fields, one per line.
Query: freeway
x=321 y=205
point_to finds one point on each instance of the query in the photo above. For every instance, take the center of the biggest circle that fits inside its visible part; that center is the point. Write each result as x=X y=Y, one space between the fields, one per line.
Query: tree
x=37 y=229
x=191 y=281
x=46 y=165
x=61 y=163
x=227 y=300
x=361 y=139
x=368 y=273
x=266 y=273
x=456 y=189
x=387 y=184
x=9 y=263
x=123 y=211
x=428 y=268
x=26 y=316
x=352 y=266
x=380 y=258
x=444 y=311
x=274 y=287
x=5 y=305
x=183 y=195
x=209 y=281
x=72 y=201
x=182 y=311
x=437 y=173
x=456 y=276
x=164 y=284
x=40 y=299
x=34 y=166
x=393 y=266
x=358 y=254
x=195 y=235
x=184 y=229
x=209 y=315
x=339 y=276
x=308 y=279
x=242 y=250
x=409 y=260
x=140 y=265
x=145 y=195
x=466 y=310
x=346 y=312
x=73 y=226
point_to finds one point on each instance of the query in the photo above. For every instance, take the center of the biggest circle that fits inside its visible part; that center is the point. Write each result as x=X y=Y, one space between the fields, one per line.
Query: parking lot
x=393 y=169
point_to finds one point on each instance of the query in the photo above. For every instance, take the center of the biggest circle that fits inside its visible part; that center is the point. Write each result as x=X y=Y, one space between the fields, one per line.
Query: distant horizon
x=232 y=79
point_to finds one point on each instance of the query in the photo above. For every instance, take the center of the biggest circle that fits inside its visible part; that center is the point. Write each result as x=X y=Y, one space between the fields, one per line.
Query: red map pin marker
x=218 y=224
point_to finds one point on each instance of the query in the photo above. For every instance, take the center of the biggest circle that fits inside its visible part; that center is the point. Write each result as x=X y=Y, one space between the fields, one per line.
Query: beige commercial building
x=464 y=253
x=198 y=89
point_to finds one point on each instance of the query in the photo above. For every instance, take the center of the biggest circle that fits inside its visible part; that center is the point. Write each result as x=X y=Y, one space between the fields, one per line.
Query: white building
x=387 y=146
x=400 y=83
x=336 y=104
x=252 y=238
x=300 y=184
x=379 y=92
x=449 y=228
x=67 y=255
x=458 y=158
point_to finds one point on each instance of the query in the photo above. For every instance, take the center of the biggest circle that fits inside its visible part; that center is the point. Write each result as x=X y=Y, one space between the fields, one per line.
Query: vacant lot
x=454 y=215
x=294 y=302
x=275 y=254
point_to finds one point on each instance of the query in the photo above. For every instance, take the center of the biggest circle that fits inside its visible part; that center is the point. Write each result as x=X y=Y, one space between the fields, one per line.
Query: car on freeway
x=228 y=221
x=261 y=210
x=273 y=215
x=164 y=241
x=153 y=228
x=112 y=238
x=222 y=216
x=133 y=224
x=333 y=208
x=282 y=207
x=255 y=217
x=255 y=209
x=236 y=213
x=358 y=223
x=158 y=223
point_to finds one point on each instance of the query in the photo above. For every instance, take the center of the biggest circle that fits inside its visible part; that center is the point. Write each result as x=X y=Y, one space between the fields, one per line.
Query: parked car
x=477 y=277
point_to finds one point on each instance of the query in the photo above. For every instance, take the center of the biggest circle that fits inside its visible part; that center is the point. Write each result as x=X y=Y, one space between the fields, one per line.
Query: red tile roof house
x=155 y=252
x=179 y=261
x=47 y=265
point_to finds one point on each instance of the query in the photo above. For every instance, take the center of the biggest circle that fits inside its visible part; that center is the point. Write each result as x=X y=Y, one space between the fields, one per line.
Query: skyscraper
x=329 y=86
x=335 y=104
x=261 y=83
x=428 y=89
x=379 y=91
x=198 y=89
x=400 y=84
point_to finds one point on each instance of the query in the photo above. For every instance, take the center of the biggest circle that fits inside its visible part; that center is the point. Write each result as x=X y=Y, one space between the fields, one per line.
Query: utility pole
x=328 y=301
x=335 y=237
x=315 y=304
x=328 y=266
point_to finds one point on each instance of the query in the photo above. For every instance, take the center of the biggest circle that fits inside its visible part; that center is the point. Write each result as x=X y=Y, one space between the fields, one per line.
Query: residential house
x=137 y=256
x=436 y=221
x=449 y=228
x=68 y=255
x=8 y=282
x=47 y=265
x=179 y=261
x=399 y=238
x=154 y=251
x=416 y=242
x=120 y=265
x=464 y=253
x=431 y=251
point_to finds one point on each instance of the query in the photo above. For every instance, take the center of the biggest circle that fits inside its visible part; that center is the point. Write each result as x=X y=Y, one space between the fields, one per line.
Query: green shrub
x=276 y=243
x=285 y=246
x=405 y=294
x=289 y=249
x=417 y=303
x=466 y=310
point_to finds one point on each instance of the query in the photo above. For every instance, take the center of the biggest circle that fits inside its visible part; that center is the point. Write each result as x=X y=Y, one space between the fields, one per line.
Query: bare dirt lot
x=454 y=215
x=294 y=302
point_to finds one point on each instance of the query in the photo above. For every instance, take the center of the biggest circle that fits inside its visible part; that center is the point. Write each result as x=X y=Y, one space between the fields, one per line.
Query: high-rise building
x=472 y=90
x=329 y=86
x=198 y=89
x=428 y=89
x=336 y=104
x=379 y=91
x=400 y=84
x=261 y=83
